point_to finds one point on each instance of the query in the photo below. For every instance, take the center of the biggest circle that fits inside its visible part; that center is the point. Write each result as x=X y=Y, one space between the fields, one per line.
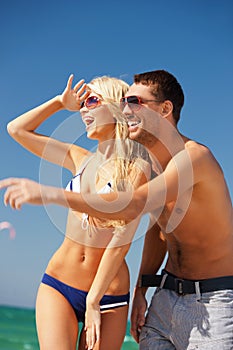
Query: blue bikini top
x=74 y=185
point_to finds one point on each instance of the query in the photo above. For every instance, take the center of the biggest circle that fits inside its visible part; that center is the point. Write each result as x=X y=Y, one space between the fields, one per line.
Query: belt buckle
x=179 y=286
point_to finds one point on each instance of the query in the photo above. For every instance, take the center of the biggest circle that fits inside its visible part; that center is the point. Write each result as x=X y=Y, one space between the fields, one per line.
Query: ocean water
x=18 y=330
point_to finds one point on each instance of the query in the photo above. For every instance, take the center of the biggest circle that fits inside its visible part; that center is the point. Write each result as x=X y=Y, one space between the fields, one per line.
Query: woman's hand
x=92 y=325
x=71 y=98
x=20 y=191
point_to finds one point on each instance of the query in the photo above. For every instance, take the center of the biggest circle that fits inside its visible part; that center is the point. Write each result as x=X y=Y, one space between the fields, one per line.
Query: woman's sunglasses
x=91 y=102
x=134 y=101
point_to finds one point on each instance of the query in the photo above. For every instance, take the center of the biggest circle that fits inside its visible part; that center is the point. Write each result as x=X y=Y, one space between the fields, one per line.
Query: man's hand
x=21 y=191
x=92 y=326
x=138 y=313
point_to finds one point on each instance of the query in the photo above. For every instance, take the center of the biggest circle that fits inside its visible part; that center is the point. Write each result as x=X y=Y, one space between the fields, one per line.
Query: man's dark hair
x=164 y=86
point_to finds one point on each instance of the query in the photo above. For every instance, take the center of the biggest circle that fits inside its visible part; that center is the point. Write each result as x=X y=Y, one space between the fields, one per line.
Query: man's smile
x=133 y=122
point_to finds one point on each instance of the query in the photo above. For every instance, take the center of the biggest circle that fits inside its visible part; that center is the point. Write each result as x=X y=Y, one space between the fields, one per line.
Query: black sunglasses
x=135 y=102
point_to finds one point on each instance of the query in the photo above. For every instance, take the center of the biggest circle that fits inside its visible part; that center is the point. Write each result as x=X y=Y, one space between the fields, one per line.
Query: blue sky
x=42 y=42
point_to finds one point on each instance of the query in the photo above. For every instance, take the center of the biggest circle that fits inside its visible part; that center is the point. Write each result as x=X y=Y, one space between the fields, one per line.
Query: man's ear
x=167 y=108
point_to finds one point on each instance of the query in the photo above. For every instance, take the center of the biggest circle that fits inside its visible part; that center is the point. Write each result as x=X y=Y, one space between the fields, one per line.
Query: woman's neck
x=105 y=150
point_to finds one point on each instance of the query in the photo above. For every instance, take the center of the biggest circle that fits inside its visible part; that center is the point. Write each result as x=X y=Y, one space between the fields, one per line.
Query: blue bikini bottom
x=77 y=298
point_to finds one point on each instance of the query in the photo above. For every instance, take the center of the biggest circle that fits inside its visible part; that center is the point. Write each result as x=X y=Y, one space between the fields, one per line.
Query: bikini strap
x=83 y=166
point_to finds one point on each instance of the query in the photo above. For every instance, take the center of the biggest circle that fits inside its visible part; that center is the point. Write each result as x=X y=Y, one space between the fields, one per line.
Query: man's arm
x=115 y=205
x=154 y=252
x=182 y=172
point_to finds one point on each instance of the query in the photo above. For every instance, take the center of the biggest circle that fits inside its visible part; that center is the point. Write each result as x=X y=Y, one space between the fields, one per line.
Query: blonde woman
x=87 y=279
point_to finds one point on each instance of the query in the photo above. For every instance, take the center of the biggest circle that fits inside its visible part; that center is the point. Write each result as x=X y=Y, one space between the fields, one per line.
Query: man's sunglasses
x=91 y=102
x=134 y=101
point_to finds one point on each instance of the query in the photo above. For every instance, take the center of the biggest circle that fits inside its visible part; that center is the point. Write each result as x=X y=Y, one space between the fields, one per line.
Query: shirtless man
x=191 y=221
x=184 y=314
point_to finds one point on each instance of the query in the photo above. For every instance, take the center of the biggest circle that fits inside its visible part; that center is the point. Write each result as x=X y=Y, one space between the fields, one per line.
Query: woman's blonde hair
x=126 y=151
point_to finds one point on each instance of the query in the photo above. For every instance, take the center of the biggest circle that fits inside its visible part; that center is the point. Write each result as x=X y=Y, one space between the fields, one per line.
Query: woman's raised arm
x=22 y=128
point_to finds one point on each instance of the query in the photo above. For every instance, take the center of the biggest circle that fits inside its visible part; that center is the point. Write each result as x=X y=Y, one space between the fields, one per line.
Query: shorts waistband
x=184 y=286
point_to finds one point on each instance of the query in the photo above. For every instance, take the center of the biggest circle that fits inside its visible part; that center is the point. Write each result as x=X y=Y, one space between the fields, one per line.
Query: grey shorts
x=189 y=322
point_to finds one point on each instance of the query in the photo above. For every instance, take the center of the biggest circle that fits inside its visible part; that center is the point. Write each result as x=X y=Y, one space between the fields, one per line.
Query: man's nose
x=127 y=110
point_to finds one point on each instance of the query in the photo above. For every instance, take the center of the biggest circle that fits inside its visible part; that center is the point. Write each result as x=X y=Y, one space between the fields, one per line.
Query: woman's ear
x=167 y=108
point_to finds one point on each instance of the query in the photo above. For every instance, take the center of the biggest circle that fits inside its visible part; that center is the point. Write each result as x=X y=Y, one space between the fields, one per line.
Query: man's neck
x=162 y=151
x=159 y=157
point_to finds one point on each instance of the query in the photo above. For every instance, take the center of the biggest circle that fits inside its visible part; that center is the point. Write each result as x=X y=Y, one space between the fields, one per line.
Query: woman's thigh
x=57 y=325
x=113 y=328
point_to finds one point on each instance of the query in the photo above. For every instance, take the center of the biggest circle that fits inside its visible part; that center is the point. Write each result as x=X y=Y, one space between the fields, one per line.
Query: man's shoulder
x=202 y=159
x=199 y=151
x=194 y=145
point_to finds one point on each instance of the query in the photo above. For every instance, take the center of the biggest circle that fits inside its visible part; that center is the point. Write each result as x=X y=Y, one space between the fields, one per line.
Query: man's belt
x=183 y=286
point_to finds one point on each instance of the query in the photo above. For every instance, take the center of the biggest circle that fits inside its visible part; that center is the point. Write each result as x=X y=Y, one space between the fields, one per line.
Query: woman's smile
x=88 y=120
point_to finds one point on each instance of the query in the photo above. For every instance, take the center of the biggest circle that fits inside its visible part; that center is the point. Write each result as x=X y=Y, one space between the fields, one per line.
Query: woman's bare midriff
x=76 y=265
